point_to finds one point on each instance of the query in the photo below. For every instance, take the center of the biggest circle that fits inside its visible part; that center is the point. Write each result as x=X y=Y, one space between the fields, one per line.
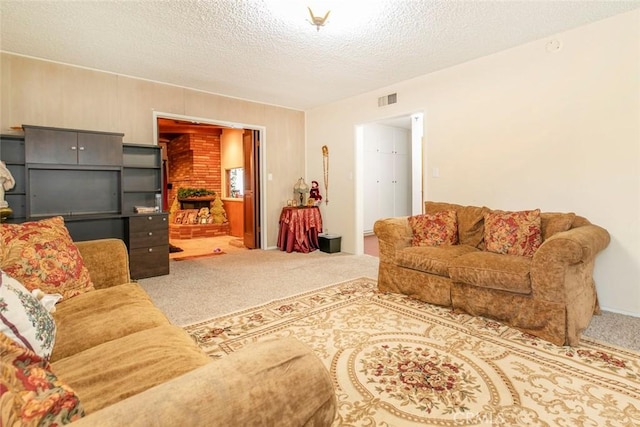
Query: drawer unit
x=148 y=242
x=149 y=262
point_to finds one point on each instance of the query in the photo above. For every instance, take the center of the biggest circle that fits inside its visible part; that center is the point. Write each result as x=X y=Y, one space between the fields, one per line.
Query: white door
x=371 y=174
x=402 y=172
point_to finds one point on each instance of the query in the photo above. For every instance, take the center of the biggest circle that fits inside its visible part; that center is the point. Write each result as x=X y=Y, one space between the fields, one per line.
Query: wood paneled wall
x=43 y=93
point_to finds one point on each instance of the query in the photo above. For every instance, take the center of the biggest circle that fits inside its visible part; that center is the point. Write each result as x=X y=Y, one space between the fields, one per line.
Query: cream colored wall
x=520 y=129
x=49 y=94
x=231 y=155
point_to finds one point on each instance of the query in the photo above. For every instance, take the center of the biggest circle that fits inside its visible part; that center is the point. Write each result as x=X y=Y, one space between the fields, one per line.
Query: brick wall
x=193 y=160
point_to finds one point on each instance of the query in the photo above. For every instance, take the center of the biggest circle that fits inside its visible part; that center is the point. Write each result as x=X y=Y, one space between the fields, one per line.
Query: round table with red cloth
x=299 y=229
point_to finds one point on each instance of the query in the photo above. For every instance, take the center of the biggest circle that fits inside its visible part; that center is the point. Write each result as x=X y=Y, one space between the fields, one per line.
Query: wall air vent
x=387 y=99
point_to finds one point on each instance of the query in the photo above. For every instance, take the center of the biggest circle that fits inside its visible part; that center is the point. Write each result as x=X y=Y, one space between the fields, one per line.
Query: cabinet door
x=371 y=188
x=402 y=172
x=386 y=187
x=402 y=185
x=99 y=149
x=51 y=146
x=386 y=142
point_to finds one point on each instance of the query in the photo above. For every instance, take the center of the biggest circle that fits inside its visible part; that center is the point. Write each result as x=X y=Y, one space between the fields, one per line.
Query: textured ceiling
x=266 y=51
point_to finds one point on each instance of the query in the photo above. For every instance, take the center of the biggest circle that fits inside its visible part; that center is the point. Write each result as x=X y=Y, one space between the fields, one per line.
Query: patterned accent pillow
x=440 y=228
x=513 y=233
x=24 y=319
x=30 y=393
x=41 y=255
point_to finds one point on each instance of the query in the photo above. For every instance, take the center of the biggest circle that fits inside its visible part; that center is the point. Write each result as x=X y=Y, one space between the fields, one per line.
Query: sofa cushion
x=114 y=370
x=494 y=271
x=440 y=228
x=30 y=393
x=103 y=315
x=41 y=255
x=24 y=319
x=554 y=222
x=431 y=259
x=512 y=233
x=470 y=221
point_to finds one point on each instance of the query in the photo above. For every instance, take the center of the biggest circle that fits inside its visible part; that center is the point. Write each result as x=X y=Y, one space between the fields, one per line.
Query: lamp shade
x=300 y=190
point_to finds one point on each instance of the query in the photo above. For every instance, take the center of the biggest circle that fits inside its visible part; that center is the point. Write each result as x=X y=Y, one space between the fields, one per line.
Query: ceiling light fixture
x=317 y=20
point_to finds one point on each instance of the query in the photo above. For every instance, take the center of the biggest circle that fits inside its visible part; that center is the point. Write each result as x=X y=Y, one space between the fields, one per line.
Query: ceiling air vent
x=387 y=99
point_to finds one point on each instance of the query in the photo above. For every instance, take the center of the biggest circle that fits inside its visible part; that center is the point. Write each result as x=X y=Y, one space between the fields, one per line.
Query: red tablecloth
x=299 y=228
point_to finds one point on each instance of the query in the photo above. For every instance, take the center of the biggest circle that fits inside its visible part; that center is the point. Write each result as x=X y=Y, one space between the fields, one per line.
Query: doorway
x=389 y=158
x=205 y=143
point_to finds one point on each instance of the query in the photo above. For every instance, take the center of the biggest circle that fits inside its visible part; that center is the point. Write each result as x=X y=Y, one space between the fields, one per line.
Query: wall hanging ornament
x=325 y=167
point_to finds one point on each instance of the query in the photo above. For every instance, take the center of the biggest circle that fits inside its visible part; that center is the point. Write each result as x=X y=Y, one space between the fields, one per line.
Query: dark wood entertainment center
x=94 y=181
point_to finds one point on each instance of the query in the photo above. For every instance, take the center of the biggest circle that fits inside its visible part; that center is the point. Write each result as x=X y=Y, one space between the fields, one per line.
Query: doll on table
x=314 y=193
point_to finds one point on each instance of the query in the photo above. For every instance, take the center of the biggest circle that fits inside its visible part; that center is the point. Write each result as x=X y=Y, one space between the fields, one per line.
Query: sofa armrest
x=107 y=261
x=273 y=383
x=574 y=249
x=575 y=245
x=393 y=234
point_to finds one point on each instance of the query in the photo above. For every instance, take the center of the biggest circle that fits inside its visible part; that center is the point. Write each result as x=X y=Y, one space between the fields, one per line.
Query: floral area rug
x=396 y=361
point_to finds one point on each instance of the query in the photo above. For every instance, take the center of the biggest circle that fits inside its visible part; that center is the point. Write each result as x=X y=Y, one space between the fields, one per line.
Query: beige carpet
x=396 y=361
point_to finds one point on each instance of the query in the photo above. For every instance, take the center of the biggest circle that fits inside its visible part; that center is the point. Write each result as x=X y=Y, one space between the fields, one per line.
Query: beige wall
x=49 y=94
x=520 y=129
x=231 y=155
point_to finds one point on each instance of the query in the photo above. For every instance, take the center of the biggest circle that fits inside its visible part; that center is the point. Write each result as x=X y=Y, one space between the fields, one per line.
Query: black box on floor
x=329 y=243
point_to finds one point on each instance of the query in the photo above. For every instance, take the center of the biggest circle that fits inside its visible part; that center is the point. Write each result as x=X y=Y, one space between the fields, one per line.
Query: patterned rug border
x=273 y=301
x=584 y=339
x=368 y=340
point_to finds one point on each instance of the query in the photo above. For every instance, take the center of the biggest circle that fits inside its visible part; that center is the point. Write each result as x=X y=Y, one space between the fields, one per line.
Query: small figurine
x=314 y=193
x=203 y=215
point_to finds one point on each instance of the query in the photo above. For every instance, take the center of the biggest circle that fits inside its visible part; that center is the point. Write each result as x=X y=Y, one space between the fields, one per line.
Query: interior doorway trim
x=264 y=224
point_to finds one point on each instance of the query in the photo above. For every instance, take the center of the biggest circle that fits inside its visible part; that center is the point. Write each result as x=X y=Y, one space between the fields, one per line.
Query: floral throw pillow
x=440 y=228
x=30 y=393
x=41 y=255
x=24 y=319
x=513 y=233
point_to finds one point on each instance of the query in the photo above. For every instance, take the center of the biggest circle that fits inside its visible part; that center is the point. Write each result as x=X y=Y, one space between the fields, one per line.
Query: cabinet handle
x=150 y=218
x=73 y=147
x=150 y=249
x=164 y=218
x=81 y=148
x=150 y=233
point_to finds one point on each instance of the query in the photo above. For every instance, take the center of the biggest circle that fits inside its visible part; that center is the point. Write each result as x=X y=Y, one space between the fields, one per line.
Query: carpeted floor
x=203 y=288
x=396 y=361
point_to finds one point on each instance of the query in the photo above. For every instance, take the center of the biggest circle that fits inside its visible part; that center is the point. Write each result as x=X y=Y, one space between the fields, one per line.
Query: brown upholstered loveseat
x=550 y=295
x=130 y=367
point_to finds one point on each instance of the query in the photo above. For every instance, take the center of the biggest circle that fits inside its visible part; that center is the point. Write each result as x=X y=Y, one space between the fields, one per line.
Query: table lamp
x=300 y=190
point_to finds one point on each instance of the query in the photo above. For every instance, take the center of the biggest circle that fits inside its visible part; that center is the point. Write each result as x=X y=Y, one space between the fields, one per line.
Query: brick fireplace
x=194 y=162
